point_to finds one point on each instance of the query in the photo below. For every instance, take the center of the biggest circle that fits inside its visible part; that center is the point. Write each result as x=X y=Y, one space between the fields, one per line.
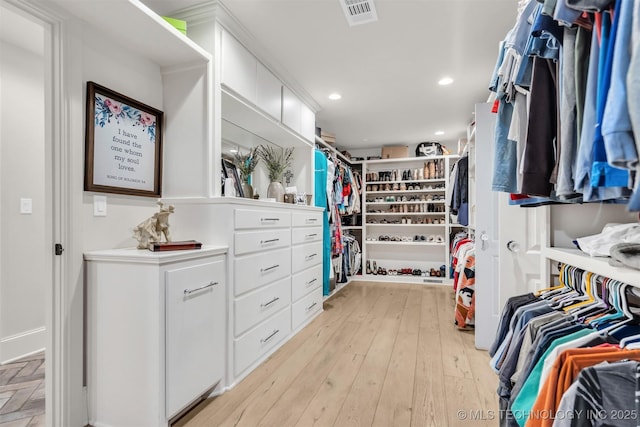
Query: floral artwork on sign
x=123 y=144
x=108 y=109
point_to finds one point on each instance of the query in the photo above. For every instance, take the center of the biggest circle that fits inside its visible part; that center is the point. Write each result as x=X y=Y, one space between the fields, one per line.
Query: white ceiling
x=386 y=71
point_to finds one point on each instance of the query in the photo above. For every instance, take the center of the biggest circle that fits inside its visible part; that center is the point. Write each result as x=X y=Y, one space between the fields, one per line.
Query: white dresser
x=277 y=280
x=155 y=332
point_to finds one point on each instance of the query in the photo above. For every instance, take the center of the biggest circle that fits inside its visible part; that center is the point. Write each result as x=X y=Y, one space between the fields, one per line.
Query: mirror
x=234 y=139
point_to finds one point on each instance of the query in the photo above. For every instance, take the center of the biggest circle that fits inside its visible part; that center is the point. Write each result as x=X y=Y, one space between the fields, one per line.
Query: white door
x=508 y=239
x=27 y=186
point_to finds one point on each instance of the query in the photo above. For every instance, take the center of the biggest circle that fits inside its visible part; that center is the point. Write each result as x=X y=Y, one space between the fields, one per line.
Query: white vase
x=247 y=189
x=275 y=190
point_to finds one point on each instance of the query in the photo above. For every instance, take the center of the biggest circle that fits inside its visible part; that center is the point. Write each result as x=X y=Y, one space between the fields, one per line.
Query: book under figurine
x=174 y=246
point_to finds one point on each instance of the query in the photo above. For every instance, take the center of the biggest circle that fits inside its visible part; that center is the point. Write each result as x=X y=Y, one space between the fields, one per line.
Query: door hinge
x=59 y=249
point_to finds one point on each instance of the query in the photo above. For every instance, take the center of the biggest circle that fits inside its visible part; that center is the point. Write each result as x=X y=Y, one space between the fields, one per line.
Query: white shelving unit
x=403 y=233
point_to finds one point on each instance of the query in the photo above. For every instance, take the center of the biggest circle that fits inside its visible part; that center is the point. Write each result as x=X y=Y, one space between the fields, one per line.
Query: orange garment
x=564 y=371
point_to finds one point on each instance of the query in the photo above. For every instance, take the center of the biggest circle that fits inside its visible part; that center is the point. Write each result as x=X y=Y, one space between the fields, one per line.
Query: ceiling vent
x=359 y=11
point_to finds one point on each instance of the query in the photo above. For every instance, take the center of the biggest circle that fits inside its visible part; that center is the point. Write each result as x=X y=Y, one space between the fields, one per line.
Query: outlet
x=99 y=205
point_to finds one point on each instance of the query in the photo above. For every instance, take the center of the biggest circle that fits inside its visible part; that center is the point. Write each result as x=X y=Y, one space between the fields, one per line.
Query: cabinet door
x=307 y=123
x=239 y=67
x=291 y=109
x=195 y=316
x=269 y=93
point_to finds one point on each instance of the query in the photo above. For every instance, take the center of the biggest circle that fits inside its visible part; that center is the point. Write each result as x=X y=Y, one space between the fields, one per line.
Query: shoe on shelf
x=368 y=266
x=374 y=268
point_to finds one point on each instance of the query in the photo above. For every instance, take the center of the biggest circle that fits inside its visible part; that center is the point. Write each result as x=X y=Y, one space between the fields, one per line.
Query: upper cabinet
x=269 y=93
x=244 y=75
x=238 y=68
x=291 y=110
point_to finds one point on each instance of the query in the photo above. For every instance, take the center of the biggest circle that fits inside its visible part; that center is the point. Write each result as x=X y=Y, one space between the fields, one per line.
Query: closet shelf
x=598 y=265
x=413 y=202
x=404 y=278
x=139 y=29
x=408 y=181
x=433 y=190
x=352 y=227
x=404 y=225
x=384 y=242
x=411 y=159
x=405 y=213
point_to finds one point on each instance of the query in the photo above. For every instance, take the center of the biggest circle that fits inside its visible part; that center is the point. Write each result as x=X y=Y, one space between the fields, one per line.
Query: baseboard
x=23 y=344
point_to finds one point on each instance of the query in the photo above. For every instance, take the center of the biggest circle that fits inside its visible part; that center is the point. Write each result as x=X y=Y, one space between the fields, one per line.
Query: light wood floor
x=379 y=355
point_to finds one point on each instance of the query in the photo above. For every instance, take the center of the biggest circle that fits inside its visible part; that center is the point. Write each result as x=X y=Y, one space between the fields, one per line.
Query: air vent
x=359 y=11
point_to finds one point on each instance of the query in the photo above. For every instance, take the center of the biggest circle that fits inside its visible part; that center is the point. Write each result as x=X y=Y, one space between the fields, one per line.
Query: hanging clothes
x=321 y=200
x=546 y=342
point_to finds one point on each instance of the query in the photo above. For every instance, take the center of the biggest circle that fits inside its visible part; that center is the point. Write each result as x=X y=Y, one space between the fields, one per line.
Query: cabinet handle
x=311 y=282
x=311 y=235
x=262 y=242
x=311 y=306
x=312 y=219
x=273 y=334
x=262 y=270
x=266 y=304
x=310 y=256
x=190 y=291
x=269 y=219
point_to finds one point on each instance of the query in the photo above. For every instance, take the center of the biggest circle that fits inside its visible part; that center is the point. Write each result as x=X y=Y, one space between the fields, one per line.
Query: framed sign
x=123 y=144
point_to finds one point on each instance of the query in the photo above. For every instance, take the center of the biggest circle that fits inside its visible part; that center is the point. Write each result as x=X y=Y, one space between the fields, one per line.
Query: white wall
x=22 y=243
x=569 y=222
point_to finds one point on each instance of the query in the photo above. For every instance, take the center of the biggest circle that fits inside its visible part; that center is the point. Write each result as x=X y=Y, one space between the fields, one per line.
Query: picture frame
x=231 y=171
x=123 y=144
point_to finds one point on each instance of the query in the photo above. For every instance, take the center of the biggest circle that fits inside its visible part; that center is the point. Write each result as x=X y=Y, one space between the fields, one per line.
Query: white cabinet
x=307 y=123
x=269 y=92
x=155 y=325
x=291 y=110
x=239 y=67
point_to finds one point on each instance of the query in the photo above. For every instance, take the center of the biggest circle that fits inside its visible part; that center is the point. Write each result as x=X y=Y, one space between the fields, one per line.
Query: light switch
x=99 y=205
x=26 y=206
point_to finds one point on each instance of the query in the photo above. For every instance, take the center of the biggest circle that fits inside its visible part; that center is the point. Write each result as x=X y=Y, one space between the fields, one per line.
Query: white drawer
x=305 y=256
x=261 y=339
x=247 y=218
x=253 y=241
x=306 y=219
x=306 y=235
x=253 y=271
x=253 y=308
x=306 y=281
x=304 y=309
x=195 y=307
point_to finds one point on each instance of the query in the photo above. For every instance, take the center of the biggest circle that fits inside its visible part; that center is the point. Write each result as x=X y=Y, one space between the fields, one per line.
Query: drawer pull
x=266 y=304
x=269 y=219
x=312 y=219
x=273 y=334
x=263 y=270
x=311 y=306
x=310 y=235
x=262 y=242
x=311 y=282
x=311 y=256
x=190 y=291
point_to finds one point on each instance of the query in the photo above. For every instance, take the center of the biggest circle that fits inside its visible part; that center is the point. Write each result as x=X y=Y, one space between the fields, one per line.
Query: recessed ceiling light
x=445 y=81
x=335 y=96
x=233 y=150
x=439 y=132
